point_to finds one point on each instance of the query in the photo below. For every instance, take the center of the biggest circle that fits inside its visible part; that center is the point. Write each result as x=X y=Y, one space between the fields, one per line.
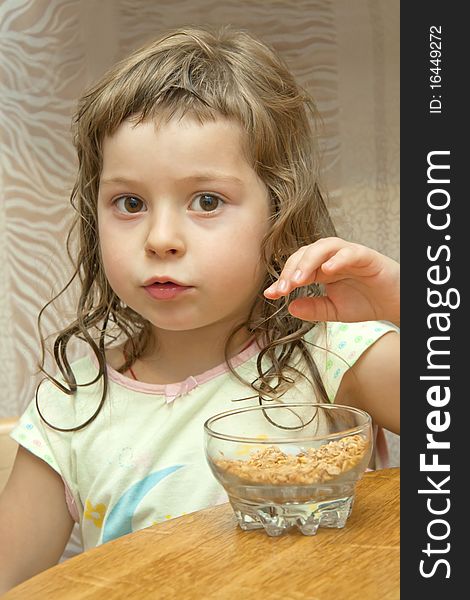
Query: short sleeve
x=335 y=347
x=30 y=433
x=50 y=445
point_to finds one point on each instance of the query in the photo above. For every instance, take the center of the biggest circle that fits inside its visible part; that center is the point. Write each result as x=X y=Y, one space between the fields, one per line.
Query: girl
x=210 y=274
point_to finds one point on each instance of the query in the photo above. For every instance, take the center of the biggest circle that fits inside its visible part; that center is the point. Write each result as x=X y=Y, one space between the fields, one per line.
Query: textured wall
x=345 y=53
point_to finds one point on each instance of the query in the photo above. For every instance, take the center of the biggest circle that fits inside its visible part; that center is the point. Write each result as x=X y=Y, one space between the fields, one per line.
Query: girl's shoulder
x=336 y=346
x=58 y=402
x=348 y=337
x=84 y=370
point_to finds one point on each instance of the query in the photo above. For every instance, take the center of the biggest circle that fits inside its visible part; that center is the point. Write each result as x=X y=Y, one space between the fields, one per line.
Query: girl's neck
x=178 y=355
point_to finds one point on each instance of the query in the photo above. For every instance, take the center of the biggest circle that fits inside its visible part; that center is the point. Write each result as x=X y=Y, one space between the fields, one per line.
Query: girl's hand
x=360 y=283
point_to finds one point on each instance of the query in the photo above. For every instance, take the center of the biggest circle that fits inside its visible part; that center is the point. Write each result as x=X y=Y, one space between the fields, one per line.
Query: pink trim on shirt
x=70 y=502
x=173 y=390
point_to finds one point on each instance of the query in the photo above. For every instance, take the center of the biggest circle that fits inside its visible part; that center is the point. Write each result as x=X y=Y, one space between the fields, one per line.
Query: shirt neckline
x=173 y=390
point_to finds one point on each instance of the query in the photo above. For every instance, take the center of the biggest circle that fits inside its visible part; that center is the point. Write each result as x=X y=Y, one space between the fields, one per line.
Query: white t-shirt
x=142 y=461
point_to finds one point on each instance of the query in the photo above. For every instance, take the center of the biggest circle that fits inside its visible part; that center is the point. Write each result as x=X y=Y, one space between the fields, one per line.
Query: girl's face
x=181 y=203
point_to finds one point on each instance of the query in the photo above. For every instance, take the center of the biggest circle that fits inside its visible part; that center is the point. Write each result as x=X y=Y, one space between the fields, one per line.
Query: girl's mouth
x=166 y=291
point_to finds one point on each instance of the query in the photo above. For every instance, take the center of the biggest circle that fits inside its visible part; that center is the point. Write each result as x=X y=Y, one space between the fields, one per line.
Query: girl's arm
x=373 y=383
x=35 y=524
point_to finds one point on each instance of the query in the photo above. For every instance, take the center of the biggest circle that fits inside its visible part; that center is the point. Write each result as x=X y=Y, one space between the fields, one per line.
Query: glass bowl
x=289 y=464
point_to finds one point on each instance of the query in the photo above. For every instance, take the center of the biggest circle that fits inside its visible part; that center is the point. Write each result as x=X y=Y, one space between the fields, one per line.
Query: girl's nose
x=165 y=235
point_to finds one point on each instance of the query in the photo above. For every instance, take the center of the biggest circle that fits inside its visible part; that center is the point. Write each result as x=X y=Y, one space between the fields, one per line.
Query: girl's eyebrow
x=124 y=180
x=212 y=176
x=197 y=177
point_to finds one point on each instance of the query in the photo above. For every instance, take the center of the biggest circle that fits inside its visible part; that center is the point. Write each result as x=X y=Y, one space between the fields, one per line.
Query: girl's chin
x=178 y=325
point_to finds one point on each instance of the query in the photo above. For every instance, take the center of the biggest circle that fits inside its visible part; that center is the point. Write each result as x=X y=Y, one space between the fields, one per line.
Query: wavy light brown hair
x=207 y=75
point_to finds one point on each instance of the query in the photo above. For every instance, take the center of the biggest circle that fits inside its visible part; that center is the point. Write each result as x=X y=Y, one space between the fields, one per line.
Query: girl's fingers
x=306 y=265
x=313 y=309
x=287 y=277
x=344 y=258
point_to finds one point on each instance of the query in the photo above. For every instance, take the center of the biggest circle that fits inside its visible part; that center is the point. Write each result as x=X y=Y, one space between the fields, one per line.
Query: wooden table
x=205 y=555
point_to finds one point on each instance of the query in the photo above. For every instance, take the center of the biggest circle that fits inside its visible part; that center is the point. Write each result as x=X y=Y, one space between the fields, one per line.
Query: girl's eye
x=130 y=204
x=206 y=202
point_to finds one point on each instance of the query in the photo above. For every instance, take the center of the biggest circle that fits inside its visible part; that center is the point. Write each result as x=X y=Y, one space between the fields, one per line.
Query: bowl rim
x=285 y=440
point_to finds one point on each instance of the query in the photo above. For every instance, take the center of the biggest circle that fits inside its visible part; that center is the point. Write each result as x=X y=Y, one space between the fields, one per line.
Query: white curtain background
x=345 y=53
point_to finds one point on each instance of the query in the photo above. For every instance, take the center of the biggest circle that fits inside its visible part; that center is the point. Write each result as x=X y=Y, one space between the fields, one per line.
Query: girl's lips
x=166 y=291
